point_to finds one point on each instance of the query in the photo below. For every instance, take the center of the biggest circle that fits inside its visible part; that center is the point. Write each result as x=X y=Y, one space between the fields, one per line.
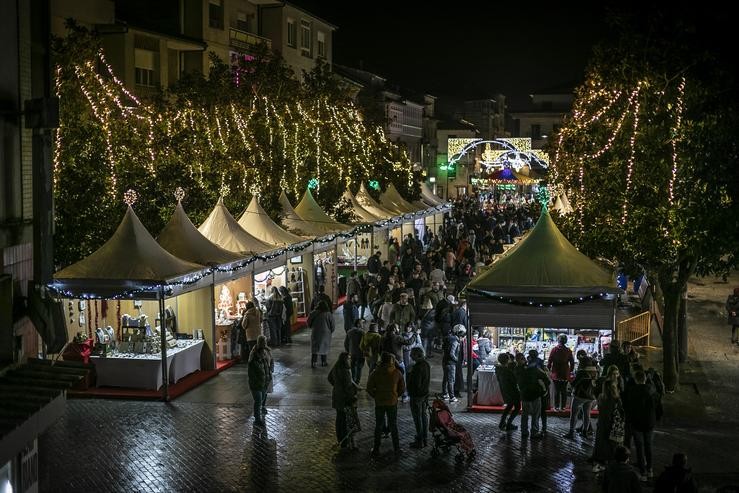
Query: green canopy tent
x=544 y=281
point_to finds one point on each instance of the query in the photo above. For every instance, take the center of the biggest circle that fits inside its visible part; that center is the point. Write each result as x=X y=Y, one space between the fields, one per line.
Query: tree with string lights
x=650 y=160
x=249 y=128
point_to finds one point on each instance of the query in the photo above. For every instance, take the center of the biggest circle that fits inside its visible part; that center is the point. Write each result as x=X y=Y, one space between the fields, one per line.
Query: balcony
x=244 y=41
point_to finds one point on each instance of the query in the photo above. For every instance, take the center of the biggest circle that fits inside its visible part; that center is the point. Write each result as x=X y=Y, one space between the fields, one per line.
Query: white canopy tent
x=222 y=229
x=257 y=222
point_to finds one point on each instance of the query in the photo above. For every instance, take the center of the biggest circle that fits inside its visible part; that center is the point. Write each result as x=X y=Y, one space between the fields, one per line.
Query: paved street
x=205 y=441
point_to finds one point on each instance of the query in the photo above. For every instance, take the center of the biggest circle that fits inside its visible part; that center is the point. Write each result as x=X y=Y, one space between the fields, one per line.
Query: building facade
x=543 y=116
x=487 y=115
x=300 y=37
x=454 y=180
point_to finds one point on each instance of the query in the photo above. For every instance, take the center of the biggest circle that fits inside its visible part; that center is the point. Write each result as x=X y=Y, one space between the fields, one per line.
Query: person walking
x=509 y=389
x=450 y=350
x=287 y=299
x=561 y=363
x=732 y=309
x=260 y=369
x=583 y=396
x=251 y=322
x=275 y=309
x=353 y=346
x=610 y=430
x=371 y=346
x=384 y=385
x=343 y=399
x=419 y=377
x=350 y=311
x=321 y=322
x=641 y=418
x=533 y=384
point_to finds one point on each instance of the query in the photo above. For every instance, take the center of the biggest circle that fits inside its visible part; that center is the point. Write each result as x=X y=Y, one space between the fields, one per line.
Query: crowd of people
x=406 y=310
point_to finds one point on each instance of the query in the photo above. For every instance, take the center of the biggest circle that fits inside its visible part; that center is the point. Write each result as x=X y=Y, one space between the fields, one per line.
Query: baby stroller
x=448 y=434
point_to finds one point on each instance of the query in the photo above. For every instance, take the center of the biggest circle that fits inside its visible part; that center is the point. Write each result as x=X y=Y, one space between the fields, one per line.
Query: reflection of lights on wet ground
x=566 y=476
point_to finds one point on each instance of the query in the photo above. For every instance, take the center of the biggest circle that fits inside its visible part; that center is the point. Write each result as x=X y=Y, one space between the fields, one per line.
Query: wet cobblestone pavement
x=204 y=441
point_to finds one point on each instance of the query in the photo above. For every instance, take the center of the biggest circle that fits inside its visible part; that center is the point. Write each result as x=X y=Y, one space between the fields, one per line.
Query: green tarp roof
x=544 y=261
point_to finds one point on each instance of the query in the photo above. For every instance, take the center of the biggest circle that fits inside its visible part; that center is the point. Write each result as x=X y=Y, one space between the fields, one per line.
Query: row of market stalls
x=157 y=310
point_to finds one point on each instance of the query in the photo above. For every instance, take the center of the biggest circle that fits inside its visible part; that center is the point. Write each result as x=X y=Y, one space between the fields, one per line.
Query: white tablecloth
x=488 y=390
x=144 y=371
x=186 y=361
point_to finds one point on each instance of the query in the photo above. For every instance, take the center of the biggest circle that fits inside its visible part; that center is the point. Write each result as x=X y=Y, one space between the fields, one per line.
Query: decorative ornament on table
x=130 y=197
x=179 y=194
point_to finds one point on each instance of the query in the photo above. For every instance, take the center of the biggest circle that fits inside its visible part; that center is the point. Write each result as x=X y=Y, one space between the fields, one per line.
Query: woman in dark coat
x=321 y=322
x=609 y=403
x=260 y=369
x=287 y=299
x=343 y=399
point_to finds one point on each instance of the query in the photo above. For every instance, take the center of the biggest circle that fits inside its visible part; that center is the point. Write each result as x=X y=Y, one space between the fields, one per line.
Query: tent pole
x=355 y=252
x=469 y=360
x=163 y=341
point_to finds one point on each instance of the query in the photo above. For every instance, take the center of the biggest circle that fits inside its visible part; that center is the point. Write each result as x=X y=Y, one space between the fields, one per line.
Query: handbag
x=617 y=426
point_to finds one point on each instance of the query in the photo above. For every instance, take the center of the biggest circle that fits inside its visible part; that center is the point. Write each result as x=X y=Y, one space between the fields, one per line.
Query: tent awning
x=131 y=257
x=545 y=261
x=310 y=212
x=257 y=222
x=182 y=239
x=369 y=204
x=362 y=214
x=392 y=200
x=428 y=196
x=222 y=229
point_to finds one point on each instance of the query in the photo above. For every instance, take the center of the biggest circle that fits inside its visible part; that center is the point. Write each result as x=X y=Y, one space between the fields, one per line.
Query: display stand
x=297 y=290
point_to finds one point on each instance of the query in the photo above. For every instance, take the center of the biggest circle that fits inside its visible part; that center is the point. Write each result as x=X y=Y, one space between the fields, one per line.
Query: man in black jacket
x=509 y=390
x=641 y=417
x=419 y=377
x=450 y=349
x=533 y=384
x=374 y=264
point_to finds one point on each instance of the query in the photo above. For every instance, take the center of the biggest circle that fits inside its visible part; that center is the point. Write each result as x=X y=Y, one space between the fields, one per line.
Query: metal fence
x=635 y=329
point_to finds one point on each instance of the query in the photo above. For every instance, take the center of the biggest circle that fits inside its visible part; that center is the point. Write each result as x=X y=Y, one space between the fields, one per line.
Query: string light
x=632 y=155
x=675 y=131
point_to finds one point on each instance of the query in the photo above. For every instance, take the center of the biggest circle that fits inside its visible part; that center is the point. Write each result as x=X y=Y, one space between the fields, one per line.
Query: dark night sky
x=465 y=52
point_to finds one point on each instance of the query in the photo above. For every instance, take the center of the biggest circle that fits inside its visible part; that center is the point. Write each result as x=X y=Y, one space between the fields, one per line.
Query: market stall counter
x=143 y=371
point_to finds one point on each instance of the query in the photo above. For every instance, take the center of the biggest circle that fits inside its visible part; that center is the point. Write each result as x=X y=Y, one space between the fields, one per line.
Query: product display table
x=488 y=390
x=144 y=371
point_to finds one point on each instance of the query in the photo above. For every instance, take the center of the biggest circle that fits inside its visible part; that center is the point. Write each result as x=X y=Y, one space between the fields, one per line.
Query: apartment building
x=488 y=115
x=299 y=36
x=543 y=115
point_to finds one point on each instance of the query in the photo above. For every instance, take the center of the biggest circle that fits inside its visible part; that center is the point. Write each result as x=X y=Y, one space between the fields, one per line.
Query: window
x=145 y=65
x=321 y=44
x=215 y=14
x=243 y=21
x=305 y=38
x=292 y=34
x=536 y=131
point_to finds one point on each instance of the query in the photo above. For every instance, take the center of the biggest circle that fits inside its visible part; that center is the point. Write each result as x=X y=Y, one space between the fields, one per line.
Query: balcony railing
x=246 y=41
